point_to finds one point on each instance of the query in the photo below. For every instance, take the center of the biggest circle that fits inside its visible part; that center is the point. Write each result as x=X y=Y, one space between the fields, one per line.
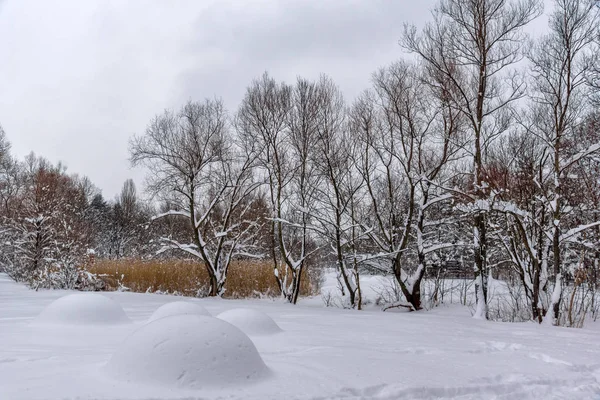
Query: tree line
x=483 y=147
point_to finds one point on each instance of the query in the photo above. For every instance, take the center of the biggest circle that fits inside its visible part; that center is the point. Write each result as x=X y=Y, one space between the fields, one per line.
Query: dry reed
x=189 y=278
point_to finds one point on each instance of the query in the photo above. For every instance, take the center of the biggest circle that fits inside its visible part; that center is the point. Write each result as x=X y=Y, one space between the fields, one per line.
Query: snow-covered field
x=319 y=353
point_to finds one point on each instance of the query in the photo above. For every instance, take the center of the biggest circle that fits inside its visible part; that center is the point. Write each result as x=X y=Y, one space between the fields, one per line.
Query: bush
x=54 y=275
x=189 y=278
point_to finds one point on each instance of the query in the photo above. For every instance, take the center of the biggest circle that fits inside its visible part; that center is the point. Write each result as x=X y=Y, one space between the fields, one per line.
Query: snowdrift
x=324 y=354
x=189 y=351
x=178 y=308
x=251 y=322
x=83 y=309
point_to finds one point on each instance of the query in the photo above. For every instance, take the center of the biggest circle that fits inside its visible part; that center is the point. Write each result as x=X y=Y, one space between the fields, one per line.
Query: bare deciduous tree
x=562 y=62
x=338 y=191
x=472 y=43
x=192 y=157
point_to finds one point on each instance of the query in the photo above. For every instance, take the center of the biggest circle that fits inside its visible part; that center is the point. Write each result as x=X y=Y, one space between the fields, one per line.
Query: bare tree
x=562 y=62
x=11 y=178
x=4 y=146
x=439 y=144
x=193 y=159
x=128 y=197
x=338 y=191
x=516 y=164
x=380 y=119
x=262 y=119
x=296 y=230
x=408 y=130
x=124 y=221
x=393 y=183
x=473 y=43
x=282 y=121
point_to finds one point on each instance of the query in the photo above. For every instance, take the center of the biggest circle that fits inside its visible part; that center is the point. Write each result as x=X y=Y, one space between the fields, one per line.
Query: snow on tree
x=194 y=161
x=562 y=61
x=473 y=45
x=48 y=235
x=282 y=120
x=339 y=189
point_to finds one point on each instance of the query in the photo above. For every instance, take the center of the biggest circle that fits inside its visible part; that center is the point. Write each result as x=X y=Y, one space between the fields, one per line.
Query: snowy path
x=322 y=354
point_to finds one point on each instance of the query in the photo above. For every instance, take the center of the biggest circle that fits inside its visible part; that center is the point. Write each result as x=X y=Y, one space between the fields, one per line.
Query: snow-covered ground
x=321 y=353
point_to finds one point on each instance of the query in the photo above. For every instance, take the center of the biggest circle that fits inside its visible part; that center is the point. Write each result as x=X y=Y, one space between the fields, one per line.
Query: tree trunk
x=481 y=270
x=214 y=285
x=296 y=284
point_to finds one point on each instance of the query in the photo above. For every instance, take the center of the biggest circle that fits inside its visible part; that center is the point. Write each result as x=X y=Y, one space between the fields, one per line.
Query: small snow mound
x=189 y=351
x=252 y=322
x=83 y=309
x=178 y=308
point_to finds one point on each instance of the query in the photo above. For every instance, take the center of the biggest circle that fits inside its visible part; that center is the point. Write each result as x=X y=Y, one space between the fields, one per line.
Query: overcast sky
x=78 y=78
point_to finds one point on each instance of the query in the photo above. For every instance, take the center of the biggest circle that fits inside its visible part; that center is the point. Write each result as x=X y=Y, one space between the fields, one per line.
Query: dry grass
x=189 y=278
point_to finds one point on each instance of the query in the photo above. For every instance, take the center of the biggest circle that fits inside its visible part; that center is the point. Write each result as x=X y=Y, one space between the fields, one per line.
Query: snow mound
x=83 y=309
x=252 y=322
x=178 y=308
x=189 y=351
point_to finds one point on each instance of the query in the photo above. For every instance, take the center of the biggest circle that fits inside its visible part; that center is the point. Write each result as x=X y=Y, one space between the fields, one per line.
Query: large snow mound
x=83 y=309
x=252 y=322
x=178 y=308
x=189 y=351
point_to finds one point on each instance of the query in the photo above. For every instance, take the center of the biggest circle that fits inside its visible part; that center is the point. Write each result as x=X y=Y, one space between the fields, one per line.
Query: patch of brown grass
x=189 y=278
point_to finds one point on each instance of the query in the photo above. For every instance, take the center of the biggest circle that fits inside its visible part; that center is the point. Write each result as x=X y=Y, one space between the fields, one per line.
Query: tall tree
x=338 y=191
x=473 y=43
x=263 y=118
x=562 y=61
x=193 y=159
x=51 y=236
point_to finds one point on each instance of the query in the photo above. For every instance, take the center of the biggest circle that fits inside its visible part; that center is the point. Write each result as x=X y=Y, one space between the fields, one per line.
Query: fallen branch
x=399 y=305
